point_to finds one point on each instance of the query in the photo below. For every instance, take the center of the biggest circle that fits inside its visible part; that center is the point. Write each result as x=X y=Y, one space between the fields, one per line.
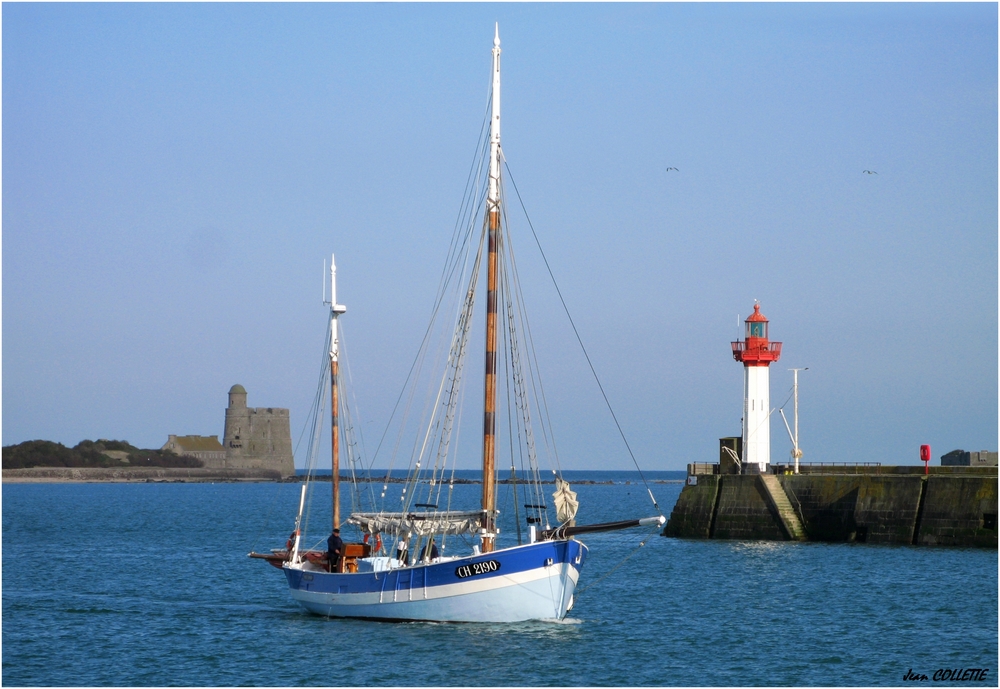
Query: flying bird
x=869 y=172
x=672 y=168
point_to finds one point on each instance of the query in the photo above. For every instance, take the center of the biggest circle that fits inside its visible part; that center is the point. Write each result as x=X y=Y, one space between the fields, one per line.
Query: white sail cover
x=417 y=523
x=566 y=502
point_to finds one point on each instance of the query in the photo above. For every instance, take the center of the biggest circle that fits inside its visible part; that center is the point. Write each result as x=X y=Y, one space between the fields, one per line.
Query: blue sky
x=174 y=176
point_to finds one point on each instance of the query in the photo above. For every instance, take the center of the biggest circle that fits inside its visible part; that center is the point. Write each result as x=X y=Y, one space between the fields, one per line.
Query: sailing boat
x=530 y=580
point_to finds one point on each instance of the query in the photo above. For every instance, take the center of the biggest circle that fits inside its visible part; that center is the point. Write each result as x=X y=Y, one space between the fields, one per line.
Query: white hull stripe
x=554 y=572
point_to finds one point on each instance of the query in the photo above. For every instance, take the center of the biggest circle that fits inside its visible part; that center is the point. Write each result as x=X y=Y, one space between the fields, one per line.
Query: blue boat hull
x=528 y=582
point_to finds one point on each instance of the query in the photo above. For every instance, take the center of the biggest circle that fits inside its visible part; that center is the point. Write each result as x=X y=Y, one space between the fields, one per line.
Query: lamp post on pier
x=796 y=451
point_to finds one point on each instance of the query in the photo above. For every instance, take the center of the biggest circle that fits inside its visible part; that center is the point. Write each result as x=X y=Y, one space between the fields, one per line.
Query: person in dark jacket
x=334 y=549
x=431 y=551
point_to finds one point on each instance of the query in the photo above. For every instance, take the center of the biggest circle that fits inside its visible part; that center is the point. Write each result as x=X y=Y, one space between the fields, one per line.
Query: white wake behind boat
x=534 y=579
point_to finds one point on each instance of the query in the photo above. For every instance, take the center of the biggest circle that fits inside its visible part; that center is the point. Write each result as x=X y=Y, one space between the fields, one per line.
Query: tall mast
x=490 y=389
x=335 y=310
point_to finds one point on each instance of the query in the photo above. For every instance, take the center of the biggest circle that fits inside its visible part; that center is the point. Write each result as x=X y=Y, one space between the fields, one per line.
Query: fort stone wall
x=257 y=437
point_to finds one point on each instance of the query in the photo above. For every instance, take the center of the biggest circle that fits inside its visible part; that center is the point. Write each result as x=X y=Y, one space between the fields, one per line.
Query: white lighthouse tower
x=756 y=353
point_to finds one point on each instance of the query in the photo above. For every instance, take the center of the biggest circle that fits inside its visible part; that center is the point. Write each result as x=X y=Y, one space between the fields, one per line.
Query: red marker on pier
x=925 y=457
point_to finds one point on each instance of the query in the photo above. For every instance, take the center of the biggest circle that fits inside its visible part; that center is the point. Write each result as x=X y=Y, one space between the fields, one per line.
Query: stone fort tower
x=257 y=437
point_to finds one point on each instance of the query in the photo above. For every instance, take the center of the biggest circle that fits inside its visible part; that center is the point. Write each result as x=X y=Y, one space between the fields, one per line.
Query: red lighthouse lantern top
x=756 y=349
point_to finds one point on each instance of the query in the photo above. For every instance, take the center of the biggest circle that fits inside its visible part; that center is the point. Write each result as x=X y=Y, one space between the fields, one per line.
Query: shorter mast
x=335 y=310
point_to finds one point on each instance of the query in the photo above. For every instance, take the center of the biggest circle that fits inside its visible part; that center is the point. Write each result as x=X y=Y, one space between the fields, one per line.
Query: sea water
x=150 y=584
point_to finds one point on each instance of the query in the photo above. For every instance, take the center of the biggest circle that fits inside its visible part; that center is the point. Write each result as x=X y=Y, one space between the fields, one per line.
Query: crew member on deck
x=334 y=549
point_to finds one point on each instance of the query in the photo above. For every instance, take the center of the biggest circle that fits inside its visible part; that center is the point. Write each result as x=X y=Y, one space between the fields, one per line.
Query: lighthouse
x=756 y=353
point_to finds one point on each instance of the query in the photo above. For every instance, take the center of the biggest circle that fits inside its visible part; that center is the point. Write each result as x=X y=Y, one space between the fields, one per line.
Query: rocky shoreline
x=199 y=475
x=137 y=475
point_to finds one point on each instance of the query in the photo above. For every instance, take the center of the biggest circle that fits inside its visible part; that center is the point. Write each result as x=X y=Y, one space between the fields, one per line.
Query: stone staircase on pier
x=789 y=518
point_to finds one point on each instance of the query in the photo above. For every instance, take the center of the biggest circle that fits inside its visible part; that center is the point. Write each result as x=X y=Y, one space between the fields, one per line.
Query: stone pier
x=953 y=506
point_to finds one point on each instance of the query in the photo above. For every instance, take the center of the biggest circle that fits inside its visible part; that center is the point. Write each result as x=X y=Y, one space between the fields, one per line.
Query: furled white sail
x=417 y=523
x=566 y=502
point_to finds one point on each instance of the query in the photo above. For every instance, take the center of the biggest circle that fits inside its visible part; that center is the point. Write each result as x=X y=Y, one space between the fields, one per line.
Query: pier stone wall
x=959 y=511
x=891 y=508
x=744 y=511
x=873 y=509
x=692 y=514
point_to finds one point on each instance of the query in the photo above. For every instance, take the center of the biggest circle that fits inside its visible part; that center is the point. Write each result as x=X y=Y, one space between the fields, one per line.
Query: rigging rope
x=456 y=267
x=349 y=404
x=318 y=407
x=514 y=308
x=623 y=561
x=580 y=340
x=537 y=391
